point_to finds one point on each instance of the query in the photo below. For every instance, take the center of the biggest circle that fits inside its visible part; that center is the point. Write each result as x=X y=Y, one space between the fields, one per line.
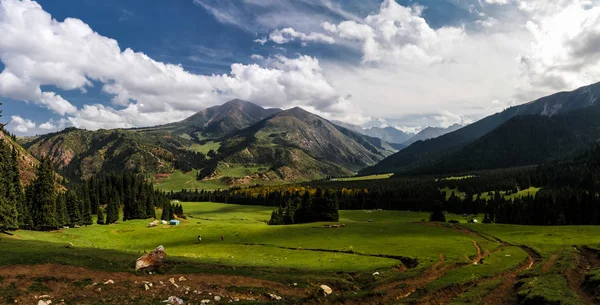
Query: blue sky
x=405 y=63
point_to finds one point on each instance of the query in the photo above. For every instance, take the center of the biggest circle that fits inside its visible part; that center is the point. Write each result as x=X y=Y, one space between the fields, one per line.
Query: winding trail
x=505 y=293
x=584 y=259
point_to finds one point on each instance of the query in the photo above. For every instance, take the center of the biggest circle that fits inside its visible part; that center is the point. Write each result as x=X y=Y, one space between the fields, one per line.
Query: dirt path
x=480 y=255
x=503 y=294
x=25 y=283
x=583 y=260
x=549 y=263
x=506 y=292
x=402 y=289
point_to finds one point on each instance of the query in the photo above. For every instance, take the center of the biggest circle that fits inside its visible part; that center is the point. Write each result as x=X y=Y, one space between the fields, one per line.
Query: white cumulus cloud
x=38 y=50
x=289 y=34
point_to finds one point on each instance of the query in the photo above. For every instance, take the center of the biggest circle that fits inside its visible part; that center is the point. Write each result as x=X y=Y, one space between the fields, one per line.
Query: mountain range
x=250 y=143
x=241 y=143
x=427 y=153
x=398 y=138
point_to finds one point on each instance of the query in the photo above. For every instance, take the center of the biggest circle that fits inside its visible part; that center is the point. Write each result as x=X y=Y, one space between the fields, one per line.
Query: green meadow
x=371 y=242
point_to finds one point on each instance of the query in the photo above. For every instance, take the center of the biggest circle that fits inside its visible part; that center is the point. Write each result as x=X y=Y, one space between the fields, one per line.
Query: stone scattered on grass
x=109 y=282
x=274 y=297
x=205 y=301
x=173 y=300
x=217 y=298
x=153 y=259
x=326 y=289
x=182 y=279
x=172 y=281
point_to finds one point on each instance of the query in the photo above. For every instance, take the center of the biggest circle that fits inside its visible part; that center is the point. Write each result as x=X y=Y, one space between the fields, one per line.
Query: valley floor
x=378 y=257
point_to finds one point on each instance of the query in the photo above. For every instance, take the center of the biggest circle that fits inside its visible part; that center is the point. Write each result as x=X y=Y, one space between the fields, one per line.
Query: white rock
x=205 y=301
x=217 y=298
x=275 y=297
x=326 y=289
x=41 y=302
x=182 y=279
x=146 y=287
x=109 y=282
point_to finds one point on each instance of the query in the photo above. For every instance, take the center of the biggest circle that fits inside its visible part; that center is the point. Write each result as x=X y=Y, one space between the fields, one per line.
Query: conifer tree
x=43 y=201
x=74 y=208
x=100 y=219
x=112 y=210
x=61 y=210
x=86 y=212
x=166 y=212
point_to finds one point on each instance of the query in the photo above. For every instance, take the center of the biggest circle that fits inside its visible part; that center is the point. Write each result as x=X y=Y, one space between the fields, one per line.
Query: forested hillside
x=425 y=153
x=525 y=140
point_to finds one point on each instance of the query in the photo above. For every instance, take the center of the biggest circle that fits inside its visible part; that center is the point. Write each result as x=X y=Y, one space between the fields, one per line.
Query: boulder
x=153 y=259
x=326 y=289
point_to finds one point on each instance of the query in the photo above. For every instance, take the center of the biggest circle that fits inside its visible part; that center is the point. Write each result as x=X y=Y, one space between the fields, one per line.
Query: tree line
x=46 y=204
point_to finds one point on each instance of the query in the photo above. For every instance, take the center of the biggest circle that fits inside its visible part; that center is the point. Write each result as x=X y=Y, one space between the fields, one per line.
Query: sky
x=405 y=63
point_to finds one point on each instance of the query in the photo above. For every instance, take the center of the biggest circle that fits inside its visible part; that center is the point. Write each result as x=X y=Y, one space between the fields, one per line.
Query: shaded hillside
x=298 y=145
x=218 y=121
x=26 y=162
x=430 y=151
x=526 y=140
x=431 y=133
x=79 y=153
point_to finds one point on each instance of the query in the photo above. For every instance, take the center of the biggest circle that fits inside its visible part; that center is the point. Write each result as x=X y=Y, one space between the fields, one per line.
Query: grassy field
x=458 y=264
x=179 y=180
x=360 y=178
x=488 y=195
x=250 y=242
x=206 y=147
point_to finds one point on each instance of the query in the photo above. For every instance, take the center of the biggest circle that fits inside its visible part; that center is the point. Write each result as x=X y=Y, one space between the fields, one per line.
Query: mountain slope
x=431 y=133
x=218 y=121
x=27 y=163
x=430 y=151
x=526 y=140
x=79 y=154
x=298 y=145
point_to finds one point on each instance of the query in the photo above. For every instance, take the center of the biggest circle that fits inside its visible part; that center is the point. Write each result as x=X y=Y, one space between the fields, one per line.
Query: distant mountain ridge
x=428 y=152
x=220 y=120
x=389 y=134
x=431 y=133
x=252 y=143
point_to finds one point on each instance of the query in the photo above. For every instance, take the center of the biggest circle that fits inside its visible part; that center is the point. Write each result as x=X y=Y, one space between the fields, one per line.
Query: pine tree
x=8 y=207
x=166 y=212
x=86 y=212
x=112 y=210
x=61 y=210
x=100 y=219
x=74 y=208
x=44 y=194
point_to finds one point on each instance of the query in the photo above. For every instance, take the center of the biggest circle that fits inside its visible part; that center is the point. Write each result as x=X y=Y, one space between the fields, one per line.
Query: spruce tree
x=112 y=210
x=44 y=194
x=100 y=219
x=61 y=210
x=166 y=211
x=74 y=208
x=86 y=212
x=8 y=207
